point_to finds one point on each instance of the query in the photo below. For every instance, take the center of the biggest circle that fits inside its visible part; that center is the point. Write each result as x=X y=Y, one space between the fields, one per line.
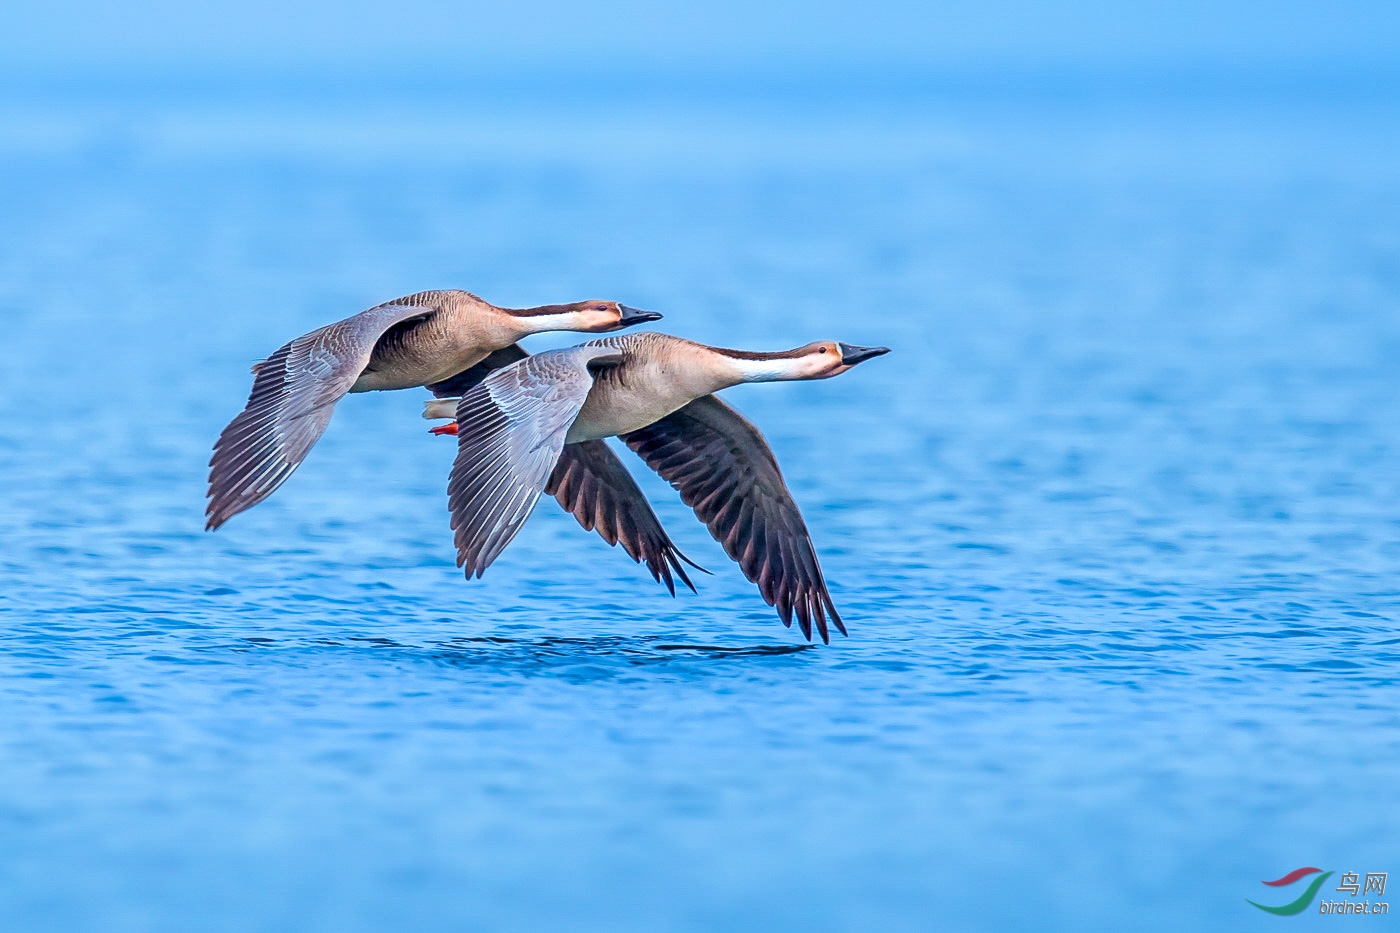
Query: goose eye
x=822 y=350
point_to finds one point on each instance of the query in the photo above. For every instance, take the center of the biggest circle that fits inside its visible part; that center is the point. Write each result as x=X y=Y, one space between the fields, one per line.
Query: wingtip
x=681 y=554
x=819 y=617
x=835 y=616
x=804 y=619
x=680 y=571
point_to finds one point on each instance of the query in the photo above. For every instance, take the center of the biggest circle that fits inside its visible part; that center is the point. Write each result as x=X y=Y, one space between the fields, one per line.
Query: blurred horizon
x=620 y=42
x=97 y=77
x=784 y=83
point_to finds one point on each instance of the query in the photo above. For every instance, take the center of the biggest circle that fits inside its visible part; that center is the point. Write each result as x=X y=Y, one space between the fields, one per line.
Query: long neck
x=545 y=318
x=766 y=370
x=737 y=367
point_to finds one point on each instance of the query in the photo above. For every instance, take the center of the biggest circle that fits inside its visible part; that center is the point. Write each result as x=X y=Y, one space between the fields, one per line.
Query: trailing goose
x=417 y=340
x=656 y=392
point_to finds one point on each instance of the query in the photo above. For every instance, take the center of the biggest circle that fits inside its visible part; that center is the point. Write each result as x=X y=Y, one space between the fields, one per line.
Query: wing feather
x=591 y=483
x=293 y=396
x=594 y=485
x=726 y=472
x=510 y=431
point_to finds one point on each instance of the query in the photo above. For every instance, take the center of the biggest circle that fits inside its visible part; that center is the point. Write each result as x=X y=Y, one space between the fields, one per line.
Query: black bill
x=852 y=354
x=632 y=316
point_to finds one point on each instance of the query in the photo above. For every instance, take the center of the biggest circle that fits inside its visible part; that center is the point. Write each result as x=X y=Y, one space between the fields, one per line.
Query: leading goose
x=420 y=339
x=656 y=392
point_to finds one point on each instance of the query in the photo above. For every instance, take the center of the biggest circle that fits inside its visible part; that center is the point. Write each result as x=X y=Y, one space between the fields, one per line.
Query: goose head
x=589 y=317
x=849 y=354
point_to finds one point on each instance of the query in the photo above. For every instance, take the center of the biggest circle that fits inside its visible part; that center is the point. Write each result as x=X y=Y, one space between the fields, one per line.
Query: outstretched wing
x=593 y=485
x=726 y=472
x=294 y=393
x=510 y=430
x=590 y=482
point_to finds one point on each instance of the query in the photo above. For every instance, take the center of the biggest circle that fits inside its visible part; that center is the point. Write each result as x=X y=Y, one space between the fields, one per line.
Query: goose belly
x=409 y=368
x=611 y=409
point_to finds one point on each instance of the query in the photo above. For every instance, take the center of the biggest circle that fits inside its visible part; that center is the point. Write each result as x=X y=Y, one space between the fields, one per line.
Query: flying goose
x=590 y=482
x=656 y=392
x=420 y=339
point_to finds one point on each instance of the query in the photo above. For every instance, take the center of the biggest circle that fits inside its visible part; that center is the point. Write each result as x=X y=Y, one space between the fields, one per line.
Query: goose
x=657 y=393
x=417 y=340
x=589 y=482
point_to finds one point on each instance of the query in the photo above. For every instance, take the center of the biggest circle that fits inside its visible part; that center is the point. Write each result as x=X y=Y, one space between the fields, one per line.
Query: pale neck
x=742 y=371
x=543 y=323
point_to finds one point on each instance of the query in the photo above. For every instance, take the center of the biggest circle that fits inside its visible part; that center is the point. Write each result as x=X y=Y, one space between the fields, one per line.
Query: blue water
x=1115 y=528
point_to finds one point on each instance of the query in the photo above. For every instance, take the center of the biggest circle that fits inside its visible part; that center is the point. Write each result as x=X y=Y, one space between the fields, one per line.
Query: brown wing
x=726 y=472
x=591 y=482
x=294 y=394
x=593 y=485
